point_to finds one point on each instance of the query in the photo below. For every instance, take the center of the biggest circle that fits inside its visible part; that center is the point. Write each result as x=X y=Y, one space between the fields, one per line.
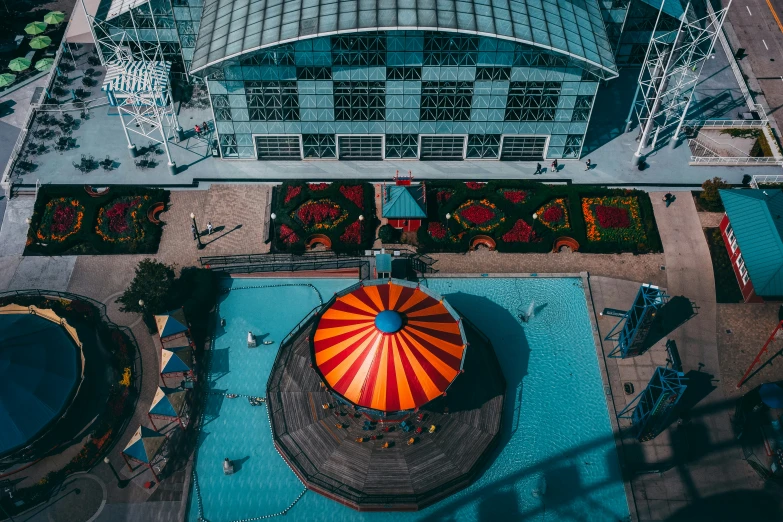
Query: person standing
x=193 y=231
x=538 y=169
x=197 y=129
x=204 y=127
x=209 y=228
x=668 y=198
x=554 y=166
x=588 y=164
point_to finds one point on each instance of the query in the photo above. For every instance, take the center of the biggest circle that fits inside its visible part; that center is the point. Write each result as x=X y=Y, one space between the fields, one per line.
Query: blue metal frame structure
x=636 y=322
x=650 y=410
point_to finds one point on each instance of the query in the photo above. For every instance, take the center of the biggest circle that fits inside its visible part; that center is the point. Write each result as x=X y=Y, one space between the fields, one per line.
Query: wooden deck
x=364 y=475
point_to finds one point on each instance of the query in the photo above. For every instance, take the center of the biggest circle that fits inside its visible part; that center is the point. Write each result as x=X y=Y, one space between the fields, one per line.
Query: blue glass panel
x=244 y=139
x=293 y=127
x=239 y=115
x=557 y=140
x=225 y=127
x=258 y=127
x=563 y=114
x=308 y=114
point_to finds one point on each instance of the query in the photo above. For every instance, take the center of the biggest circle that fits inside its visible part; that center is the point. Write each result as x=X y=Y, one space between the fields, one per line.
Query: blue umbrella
x=772 y=395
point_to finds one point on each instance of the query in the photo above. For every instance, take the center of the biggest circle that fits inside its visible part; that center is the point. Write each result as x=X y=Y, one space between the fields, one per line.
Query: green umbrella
x=7 y=79
x=19 y=64
x=35 y=27
x=44 y=64
x=54 y=17
x=39 y=42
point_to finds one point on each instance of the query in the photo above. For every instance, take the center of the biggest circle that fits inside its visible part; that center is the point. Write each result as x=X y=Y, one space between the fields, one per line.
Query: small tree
x=710 y=188
x=151 y=284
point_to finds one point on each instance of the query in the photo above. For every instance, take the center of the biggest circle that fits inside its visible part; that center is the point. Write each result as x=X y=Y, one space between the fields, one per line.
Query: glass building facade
x=402 y=95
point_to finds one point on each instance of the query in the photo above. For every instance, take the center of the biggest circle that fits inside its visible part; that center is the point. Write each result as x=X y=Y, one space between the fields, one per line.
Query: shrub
x=710 y=188
x=389 y=234
x=152 y=284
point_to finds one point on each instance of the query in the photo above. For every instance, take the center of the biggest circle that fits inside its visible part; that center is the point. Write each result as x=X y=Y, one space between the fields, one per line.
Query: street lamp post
x=361 y=229
x=120 y=483
x=273 y=216
x=200 y=245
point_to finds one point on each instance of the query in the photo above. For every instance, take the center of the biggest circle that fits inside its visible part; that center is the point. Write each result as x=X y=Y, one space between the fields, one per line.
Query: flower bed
x=61 y=219
x=65 y=222
x=503 y=210
x=615 y=219
x=554 y=215
x=122 y=219
x=480 y=215
x=332 y=209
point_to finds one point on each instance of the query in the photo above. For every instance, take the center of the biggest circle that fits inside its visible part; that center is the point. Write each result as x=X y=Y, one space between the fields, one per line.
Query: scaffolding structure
x=650 y=410
x=635 y=322
x=138 y=78
x=669 y=75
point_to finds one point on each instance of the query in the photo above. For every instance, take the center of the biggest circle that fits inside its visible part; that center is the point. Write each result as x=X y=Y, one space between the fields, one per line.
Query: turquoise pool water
x=556 y=433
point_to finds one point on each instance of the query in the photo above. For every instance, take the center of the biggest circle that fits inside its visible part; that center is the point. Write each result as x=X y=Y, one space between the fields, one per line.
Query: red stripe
x=435 y=318
x=419 y=397
x=383 y=292
x=342 y=306
x=372 y=378
x=427 y=302
x=331 y=364
x=440 y=381
x=323 y=344
x=361 y=295
x=405 y=296
x=446 y=357
x=341 y=386
x=392 y=393
x=443 y=336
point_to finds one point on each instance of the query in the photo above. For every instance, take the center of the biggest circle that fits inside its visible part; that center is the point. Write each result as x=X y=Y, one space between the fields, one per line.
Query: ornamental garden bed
x=66 y=221
x=304 y=210
x=601 y=220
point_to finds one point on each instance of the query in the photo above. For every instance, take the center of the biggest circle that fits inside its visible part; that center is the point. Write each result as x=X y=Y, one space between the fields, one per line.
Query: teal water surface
x=556 y=459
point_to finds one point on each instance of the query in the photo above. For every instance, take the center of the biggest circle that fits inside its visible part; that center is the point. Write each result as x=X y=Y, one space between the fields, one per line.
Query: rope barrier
x=196 y=487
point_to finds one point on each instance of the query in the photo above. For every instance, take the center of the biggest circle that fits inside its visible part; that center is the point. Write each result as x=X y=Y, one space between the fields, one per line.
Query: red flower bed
x=475 y=185
x=353 y=233
x=443 y=195
x=292 y=192
x=612 y=217
x=63 y=218
x=521 y=233
x=315 y=187
x=317 y=212
x=553 y=214
x=515 y=196
x=118 y=216
x=354 y=194
x=477 y=215
x=437 y=230
x=287 y=235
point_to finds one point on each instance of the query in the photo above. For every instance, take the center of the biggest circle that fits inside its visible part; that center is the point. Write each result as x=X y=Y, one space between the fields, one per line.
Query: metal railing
x=697 y=160
x=299 y=266
x=757 y=181
x=246 y=259
x=727 y=124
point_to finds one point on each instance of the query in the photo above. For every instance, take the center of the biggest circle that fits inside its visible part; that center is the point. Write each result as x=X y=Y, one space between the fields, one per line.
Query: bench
x=96 y=193
x=565 y=241
x=480 y=240
x=318 y=239
x=154 y=211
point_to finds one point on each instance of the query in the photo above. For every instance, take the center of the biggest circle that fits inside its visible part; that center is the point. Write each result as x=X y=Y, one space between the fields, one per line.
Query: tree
x=151 y=284
x=710 y=188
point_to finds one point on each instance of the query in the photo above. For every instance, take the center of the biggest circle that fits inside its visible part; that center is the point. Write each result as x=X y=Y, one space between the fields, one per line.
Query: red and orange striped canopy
x=389 y=347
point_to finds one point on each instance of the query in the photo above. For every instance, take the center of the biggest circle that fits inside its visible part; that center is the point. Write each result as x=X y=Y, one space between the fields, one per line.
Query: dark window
x=573 y=146
x=532 y=101
x=361 y=147
x=272 y=101
x=493 y=73
x=450 y=49
x=278 y=148
x=364 y=50
x=220 y=105
x=359 y=101
x=403 y=73
x=228 y=144
x=318 y=146
x=446 y=101
x=442 y=147
x=483 y=146
x=523 y=148
x=402 y=145
x=533 y=57
x=582 y=108
x=280 y=55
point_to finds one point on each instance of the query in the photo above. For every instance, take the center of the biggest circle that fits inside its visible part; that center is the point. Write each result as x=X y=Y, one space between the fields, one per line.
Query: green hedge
x=86 y=240
x=284 y=212
x=538 y=195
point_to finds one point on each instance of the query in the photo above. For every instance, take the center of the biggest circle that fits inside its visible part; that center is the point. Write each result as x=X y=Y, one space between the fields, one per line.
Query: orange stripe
x=378 y=400
x=348 y=344
x=354 y=391
x=429 y=387
x=441 y=327
x=354 y=301
x=375 y=297
x=394 y=294
x=450 y=348
x=341 y=315
x=444 y=369
x=323 y=334
x=403 y=387
x=436 y=309
x=417 y=297
x=774 y=14
x=339 y=370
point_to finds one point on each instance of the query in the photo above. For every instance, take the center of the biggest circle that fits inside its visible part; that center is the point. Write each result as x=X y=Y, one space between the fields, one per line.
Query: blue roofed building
x=752 y=230
x=404 y=206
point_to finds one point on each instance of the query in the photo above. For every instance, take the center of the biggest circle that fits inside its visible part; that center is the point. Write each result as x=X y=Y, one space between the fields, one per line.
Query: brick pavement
x=710 y=219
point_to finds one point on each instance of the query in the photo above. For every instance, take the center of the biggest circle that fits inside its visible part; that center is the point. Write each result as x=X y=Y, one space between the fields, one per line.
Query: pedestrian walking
x=538 y=169
x=554 y=166
x=197 y=129
x=193 y=231
x=668 y=198
x=209 y=228
x=204 y=127
x=588 y=164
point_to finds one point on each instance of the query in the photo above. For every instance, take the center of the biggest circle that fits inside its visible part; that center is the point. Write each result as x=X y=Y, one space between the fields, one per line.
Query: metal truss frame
x=670 y=71
x=146 y=112
x=655 y=402
x=636 y=321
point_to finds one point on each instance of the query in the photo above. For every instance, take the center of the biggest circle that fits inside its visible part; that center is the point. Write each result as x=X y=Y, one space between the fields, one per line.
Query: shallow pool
x=556 y=459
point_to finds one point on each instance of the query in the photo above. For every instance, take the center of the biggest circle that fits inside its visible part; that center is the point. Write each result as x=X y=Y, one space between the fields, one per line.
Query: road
x=759 y=28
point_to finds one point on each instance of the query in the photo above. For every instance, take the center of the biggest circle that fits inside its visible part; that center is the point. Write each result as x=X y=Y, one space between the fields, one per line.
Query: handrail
x=720 y=160
x=297 y=266
x=307 y=256
x=726 y=124
x=756 y=180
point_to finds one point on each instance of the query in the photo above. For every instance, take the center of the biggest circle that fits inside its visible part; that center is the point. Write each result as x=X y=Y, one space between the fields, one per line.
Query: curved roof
x=39 y=370
x=389 y=346
x=233 y=27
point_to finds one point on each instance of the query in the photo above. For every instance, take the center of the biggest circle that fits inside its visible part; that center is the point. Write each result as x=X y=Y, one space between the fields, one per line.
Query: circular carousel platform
x=384 y=356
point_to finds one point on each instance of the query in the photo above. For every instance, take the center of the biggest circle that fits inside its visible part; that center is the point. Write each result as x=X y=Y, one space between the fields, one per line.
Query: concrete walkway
x=707 y=461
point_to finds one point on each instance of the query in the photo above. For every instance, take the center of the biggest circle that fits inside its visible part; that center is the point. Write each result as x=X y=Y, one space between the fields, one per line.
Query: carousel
x=387 y=399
